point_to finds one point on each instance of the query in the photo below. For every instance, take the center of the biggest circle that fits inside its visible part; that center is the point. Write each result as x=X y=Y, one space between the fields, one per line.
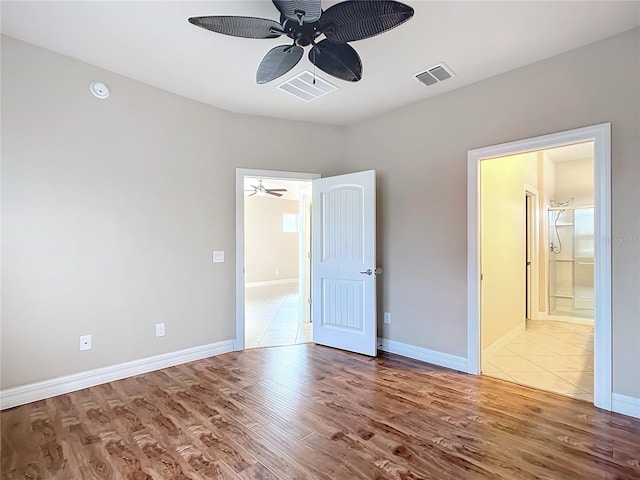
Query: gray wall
x=270 y=253
x=420 y=154
x=110 y=210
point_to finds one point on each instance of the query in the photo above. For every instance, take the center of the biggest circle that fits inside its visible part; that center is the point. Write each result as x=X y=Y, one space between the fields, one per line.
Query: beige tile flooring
x=549 y=355
x=271 y=317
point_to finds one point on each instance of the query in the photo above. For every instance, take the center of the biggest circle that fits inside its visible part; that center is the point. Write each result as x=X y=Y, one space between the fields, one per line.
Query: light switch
x=218 y=256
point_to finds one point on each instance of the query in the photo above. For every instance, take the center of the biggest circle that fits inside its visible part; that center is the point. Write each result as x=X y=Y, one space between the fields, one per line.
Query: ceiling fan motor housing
x=304 y=34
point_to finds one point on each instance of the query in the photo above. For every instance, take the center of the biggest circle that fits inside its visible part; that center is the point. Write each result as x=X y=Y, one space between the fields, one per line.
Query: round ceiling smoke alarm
x=99 y=89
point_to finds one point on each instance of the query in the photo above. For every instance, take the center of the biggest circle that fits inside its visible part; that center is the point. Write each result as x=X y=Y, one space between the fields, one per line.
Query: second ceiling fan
x=304 y=21
x=261 y=190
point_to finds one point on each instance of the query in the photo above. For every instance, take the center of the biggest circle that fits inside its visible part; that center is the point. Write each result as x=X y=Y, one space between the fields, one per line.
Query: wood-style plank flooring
x=310 y=412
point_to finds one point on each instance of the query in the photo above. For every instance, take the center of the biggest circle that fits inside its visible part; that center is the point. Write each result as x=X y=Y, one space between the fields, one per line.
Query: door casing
x=601 y=136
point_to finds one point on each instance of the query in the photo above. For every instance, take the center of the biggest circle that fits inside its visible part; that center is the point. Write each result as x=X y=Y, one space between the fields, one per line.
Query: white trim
x=13 y=397
x=601 y=136
x=268 y=283
x=240 y=286
x=625 y=405
x=502 y=342
x=423 y=354
x=534 y=251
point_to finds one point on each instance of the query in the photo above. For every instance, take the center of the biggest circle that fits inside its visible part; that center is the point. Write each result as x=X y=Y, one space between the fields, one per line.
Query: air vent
x=435 y=74
x=307 y=86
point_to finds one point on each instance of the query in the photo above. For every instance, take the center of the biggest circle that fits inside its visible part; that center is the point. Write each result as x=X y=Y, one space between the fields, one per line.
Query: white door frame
x=240 y=174
x=533 y=293
x=304 y=256
x=601 y=136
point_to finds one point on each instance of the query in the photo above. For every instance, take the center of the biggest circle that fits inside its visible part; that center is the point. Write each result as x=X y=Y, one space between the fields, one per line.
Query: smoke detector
x=436 y=74
x=99 y=89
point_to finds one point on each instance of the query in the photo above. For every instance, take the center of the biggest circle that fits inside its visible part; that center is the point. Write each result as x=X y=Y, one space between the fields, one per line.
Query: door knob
x=368 y=271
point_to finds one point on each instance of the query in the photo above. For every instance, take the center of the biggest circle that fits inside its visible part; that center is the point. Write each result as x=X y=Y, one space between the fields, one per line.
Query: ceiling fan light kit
x=304 y=21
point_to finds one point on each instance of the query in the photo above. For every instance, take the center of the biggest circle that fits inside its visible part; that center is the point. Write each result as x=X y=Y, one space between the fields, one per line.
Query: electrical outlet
x=218 y=256
x=159 y=329
x=85 y=342
x=387 y=317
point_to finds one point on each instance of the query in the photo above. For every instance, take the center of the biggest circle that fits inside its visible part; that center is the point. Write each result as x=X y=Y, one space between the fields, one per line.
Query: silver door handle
x=377 y=271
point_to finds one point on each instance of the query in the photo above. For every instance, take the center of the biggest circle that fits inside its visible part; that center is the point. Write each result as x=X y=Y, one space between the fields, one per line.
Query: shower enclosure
x=571 y=266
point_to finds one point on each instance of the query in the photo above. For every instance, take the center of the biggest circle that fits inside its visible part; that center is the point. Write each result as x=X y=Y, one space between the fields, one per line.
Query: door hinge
x=481 y=276
x=309 y=300
x=309 y=255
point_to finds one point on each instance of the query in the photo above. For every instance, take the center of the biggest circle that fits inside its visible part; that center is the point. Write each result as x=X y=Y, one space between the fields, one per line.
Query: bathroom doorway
x=547 y=340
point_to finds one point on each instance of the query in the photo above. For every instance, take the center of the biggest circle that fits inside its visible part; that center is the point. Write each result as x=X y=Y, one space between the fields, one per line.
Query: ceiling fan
x=304 y=21
x=261 y=190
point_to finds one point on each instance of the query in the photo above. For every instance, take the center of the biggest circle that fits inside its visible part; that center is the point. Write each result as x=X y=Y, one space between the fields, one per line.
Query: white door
x=344 y=262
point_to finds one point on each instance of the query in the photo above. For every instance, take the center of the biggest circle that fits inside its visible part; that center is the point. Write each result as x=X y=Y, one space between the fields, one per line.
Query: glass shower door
x=571 y=265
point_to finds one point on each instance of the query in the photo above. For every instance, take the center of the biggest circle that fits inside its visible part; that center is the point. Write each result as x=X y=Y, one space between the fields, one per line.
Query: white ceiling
x=152 y=42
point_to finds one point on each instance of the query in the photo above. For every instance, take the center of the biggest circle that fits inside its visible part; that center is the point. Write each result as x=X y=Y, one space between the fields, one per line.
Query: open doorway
x=572 y=318
x=273 y=232
x=524 y=339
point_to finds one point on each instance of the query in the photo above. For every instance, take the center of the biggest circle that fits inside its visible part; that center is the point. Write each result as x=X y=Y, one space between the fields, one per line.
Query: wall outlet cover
x=85 y=342
x=159 y=329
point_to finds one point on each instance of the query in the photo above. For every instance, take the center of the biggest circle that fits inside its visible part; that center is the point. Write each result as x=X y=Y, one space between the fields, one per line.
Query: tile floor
x=271 y=317
x=549 y=355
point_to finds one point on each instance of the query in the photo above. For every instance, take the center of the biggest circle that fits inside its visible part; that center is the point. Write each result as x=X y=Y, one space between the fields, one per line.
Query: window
x=290 y=222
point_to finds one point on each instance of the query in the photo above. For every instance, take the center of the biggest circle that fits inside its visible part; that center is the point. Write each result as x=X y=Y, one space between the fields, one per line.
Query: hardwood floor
x=310 y=412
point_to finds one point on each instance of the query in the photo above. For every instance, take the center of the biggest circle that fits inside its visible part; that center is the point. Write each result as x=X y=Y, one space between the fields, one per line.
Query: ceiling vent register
x=436 y=74
x=307 y=86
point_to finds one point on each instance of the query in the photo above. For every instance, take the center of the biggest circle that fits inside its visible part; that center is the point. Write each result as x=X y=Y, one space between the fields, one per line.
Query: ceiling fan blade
x=274 y=194
x=277 y=62
x=246 y=27
x=337 y=59
x=276 y=189
x=252 y=194
x=356 y=20
x=288 y=8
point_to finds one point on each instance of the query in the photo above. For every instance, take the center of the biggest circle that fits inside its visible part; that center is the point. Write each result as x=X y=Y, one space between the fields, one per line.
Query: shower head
x=556 y=203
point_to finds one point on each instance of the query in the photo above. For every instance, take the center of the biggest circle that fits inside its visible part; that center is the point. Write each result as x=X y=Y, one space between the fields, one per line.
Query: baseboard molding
x=13 y=397
x=423 y=354
x=267 y=283
x=499 y=344
x=625 y=405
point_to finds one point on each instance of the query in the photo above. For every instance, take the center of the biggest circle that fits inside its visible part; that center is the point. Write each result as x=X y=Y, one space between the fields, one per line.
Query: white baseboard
x=499 y=344
x=271 y=282
x=423 y=354
x=13 y=397
x=625 y=405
